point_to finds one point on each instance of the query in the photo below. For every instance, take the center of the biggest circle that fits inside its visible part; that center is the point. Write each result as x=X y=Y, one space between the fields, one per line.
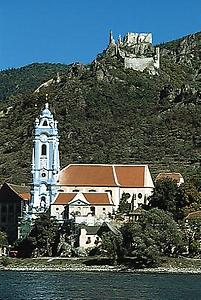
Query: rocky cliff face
x=186 y=51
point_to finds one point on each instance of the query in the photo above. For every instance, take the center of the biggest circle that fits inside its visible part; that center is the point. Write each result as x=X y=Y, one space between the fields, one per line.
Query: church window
x=45 y=123
x=96 y=240
x=43 y=174
x=140 y=196
x=44 y=149
x=57 y=208
x=43 y=202
x=88 y=240
x=92 y=208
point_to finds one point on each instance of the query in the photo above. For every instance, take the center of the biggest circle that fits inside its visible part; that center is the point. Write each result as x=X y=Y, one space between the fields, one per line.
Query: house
x=90 y=208
x=14 y=200
x=134 y=180
x=91 y=236
x=173 y=176
x=193 y=215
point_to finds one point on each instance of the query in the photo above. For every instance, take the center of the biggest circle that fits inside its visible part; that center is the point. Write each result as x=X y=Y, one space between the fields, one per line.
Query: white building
x=90 y=208
x=134 y=180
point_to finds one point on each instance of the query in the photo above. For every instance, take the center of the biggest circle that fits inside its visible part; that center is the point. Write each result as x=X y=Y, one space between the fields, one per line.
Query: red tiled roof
x=88 y=175
x=92 y=198
x=130 y=176
x=64 y=198
x=194 y=214
x=174 y=176
x=21 y=190
x=103 y=175
x=25 y=196
x=97 y=198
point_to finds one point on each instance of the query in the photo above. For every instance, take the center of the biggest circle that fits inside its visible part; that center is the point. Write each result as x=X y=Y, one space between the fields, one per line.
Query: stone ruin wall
x=137 y=59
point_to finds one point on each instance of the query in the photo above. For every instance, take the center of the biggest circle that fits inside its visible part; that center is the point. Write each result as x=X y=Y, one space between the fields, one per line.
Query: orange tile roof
x=25 y=196
x=98 y=198
x=194 y=214
x=174 y=176
x=102 y=175
x=64 y=198
x=20 y=190
x=130 y=176
x=88 y=175
x=92 y=198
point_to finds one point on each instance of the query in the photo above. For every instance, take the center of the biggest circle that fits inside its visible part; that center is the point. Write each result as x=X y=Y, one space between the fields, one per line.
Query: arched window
x=44 y=150
x=45 y=123
x=43 y=202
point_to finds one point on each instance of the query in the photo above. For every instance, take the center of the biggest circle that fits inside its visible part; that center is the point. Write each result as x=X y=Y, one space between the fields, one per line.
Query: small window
x=92 y=208
x=140 y=196
x=92 y=191
x=96 y=240
x=45 y=123
x=43 y=174
x=57 y=208
x=103 y=208
x=75 y=191
x=88 y=240
x=43 y=201
x=44 y=150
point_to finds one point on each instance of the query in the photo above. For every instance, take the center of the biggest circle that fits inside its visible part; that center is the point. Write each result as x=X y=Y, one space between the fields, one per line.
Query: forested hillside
x=108 y=114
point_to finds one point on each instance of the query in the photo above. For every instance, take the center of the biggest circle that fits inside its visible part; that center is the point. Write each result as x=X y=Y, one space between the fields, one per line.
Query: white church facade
x=80 y=190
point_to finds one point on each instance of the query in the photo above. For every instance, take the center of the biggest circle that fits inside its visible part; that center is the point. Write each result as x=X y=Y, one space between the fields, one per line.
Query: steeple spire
x=45 y=161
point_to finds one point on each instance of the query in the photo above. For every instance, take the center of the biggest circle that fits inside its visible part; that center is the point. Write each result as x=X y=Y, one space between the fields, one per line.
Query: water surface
x=98 y=285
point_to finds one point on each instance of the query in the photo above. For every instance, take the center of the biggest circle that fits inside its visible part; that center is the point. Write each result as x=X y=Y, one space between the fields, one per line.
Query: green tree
x=154 y=235
x=3 y=239
x=112 y=244
x=124 y=206
x=178 y=200
x=43 y=238
x=193 y=233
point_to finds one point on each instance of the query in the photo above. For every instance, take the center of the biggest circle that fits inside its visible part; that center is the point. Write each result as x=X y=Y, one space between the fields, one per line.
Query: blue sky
x=66 y=31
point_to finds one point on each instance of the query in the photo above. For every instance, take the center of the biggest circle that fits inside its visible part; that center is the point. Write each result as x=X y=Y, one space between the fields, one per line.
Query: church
x=80 y=191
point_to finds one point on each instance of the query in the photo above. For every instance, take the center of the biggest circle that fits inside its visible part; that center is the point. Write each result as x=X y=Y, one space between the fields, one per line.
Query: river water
x=98 y=285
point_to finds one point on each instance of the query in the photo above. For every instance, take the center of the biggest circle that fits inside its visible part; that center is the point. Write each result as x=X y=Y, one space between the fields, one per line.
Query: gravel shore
x=101 y=269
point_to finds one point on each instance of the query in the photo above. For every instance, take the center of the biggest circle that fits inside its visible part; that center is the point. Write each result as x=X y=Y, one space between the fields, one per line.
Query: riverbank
x=168 y=265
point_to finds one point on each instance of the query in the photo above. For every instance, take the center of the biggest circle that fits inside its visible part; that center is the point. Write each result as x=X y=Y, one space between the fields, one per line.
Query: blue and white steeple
x=45 y=161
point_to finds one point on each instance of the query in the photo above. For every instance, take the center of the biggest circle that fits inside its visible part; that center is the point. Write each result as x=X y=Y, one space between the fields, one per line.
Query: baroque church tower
x=45 y=161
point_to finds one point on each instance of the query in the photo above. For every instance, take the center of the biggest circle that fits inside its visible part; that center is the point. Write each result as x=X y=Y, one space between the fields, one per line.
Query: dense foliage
x=178 y=200
x=42 y=239
x=3 y=239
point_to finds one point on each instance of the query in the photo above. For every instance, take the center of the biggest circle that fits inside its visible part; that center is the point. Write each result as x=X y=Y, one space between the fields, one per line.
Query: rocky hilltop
x=108 y=113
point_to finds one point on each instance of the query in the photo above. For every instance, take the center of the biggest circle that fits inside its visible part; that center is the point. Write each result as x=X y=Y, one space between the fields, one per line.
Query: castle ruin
x=136 y=51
